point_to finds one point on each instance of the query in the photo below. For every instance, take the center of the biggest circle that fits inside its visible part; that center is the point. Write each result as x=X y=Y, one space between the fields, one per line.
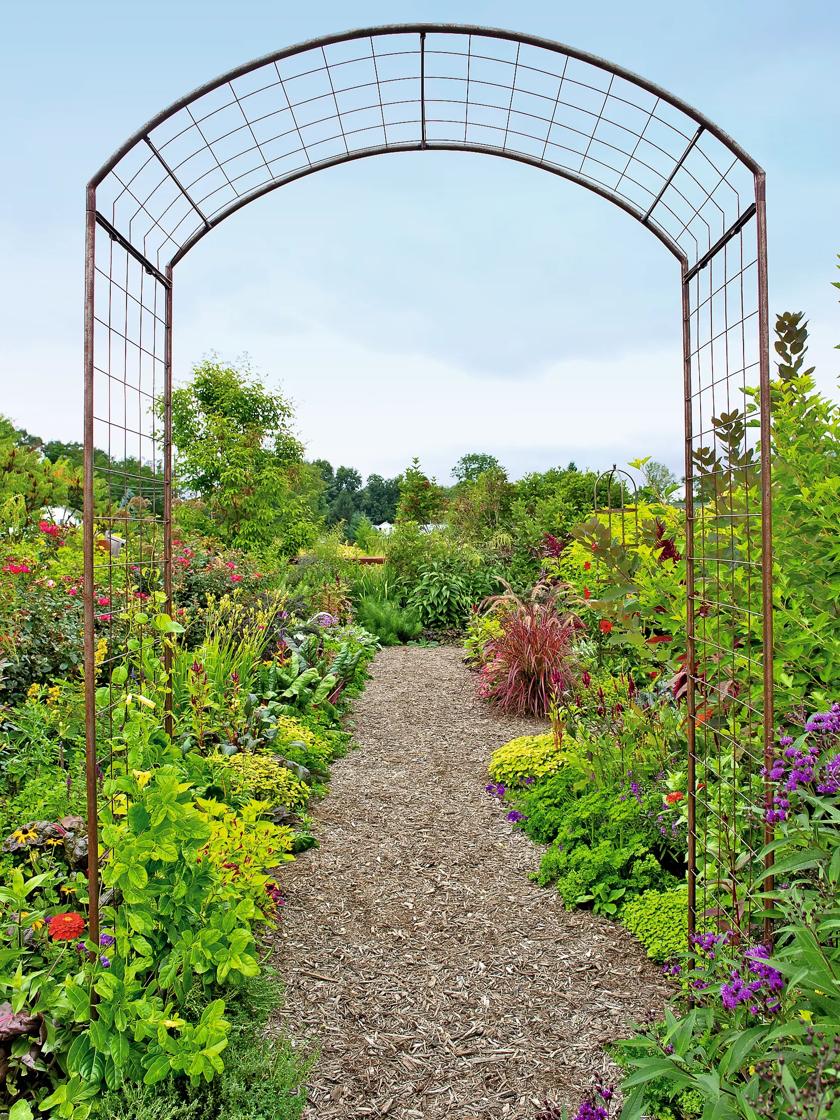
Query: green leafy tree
x=475 y=463
x=239 y=457
x=380 y=497
x=421 y=499
x=481 y=507
x=28 y=479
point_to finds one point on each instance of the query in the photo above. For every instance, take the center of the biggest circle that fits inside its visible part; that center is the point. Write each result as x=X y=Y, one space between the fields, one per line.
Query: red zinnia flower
x=16 y=569
x=673 y=798
x=587 y=565
x=66 y=927
x=605 y=626
x=586 y=593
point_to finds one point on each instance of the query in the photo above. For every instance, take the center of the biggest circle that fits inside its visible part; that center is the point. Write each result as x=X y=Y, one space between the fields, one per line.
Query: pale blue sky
x=435 y=303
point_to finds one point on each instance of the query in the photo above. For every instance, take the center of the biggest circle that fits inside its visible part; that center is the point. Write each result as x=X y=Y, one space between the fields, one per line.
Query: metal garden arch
x=439 y=87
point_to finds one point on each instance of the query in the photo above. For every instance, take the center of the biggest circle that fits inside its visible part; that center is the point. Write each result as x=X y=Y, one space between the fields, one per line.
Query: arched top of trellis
x=432 y=87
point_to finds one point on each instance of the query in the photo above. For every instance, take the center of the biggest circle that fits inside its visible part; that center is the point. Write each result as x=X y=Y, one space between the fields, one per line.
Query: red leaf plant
x=532 y=662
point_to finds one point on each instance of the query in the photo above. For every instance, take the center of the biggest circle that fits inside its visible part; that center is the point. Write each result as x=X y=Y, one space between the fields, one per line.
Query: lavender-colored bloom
x=830 y=782
x=106 y=940
x=514 y=816
x=105 y=962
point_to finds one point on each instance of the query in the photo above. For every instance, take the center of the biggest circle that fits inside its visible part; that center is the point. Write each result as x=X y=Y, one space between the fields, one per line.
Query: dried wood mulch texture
x=433 y=977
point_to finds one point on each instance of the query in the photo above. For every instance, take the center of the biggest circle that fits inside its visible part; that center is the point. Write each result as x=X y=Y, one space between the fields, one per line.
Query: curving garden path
x=433 y=977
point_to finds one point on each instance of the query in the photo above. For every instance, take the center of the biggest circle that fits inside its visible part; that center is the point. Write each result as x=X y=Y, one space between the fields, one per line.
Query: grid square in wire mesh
x=129 y=327
x=386 y=92
x=728 y=616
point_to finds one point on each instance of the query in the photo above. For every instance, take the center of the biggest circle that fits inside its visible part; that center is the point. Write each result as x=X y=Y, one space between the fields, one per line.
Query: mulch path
x=432 y=976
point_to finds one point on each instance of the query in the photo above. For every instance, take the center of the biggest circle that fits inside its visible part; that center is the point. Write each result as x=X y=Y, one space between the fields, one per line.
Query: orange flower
x=673 y=798
x=605 y=626
x=66 y=927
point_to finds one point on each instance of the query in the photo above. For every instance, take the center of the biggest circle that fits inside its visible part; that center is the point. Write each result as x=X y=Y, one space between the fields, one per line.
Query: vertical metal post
x=766 y=516
x=422 y=89
x=690 y=667
x=167 y=498
x=92 y=791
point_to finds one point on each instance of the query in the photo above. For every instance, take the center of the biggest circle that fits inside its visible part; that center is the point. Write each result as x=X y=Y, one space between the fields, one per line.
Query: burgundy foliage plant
x=531 y=664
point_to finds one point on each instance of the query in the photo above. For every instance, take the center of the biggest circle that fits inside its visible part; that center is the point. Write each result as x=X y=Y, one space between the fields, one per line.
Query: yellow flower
x=53 y=695
x=806 y=1016
x=120 y=805
x=143 y=777
x=101 y=651
x=33 y=691
x=65 y=888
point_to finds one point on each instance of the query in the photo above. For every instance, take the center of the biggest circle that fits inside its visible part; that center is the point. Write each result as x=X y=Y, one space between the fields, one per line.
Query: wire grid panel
x=438 y=87
x=390 y=90
x=128 y=381
x=727 y=619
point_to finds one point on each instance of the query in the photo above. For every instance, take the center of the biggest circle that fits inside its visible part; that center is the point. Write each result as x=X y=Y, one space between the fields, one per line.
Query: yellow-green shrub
x=291 y=730
x=529 y=756
x=244 y=848
x=263 y=778
x=660 y=921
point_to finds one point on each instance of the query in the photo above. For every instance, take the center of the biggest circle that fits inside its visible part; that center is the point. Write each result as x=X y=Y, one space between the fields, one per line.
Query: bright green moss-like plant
x=529 y=756
x=660 y=921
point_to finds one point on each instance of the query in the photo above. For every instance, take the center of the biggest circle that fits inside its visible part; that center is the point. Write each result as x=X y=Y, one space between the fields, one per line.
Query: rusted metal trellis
x=434 y=87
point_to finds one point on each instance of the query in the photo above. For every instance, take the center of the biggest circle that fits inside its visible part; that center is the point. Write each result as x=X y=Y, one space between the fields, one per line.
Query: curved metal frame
x=426 y=87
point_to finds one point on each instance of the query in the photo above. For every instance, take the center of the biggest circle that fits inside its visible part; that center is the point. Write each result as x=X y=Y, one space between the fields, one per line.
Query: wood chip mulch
x=433 y=978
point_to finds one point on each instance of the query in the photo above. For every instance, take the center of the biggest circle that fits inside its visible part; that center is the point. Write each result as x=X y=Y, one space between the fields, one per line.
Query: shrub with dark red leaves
x=532 y=662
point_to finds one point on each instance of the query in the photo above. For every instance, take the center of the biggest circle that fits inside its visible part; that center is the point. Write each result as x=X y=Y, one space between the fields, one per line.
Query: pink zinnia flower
x=15 y=569
x=235 y=577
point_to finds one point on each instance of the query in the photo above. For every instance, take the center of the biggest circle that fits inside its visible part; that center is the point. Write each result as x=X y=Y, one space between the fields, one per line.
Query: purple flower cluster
x=590 y=1108
x=825 y=723
x=830 y=777
x=799 y=763
x=496 y=789
x=707 y=943
x=673 y=969
x=758 y=989
x=514 y=816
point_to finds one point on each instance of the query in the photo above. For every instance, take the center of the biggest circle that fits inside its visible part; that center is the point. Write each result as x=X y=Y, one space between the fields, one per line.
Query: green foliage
x=238 y=456
x=421 y=499
x=604 y=875
x=660 y=921
x=29 y=480
x=264 y=778
x=806 y=512
x=471 y=466
x=263 y=1079
x=387 y=621
x=481 y=506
